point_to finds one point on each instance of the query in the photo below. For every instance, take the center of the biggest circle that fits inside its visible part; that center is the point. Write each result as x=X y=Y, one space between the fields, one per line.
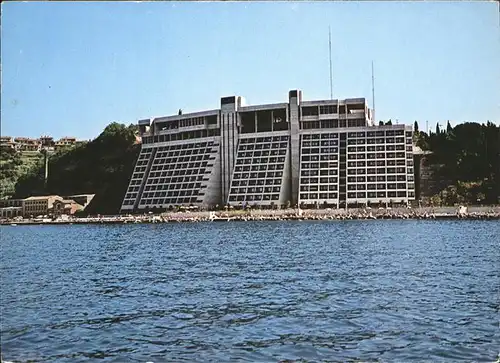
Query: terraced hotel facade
x=324 y=153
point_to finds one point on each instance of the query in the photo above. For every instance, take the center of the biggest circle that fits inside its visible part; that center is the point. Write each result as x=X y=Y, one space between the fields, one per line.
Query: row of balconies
x=378 y=162
x=399 y=169
x=359 y=187
x=379 y=141
x=254 y=198
x=167 y=202
x=353 y=196
x=334 y=116
x=253 y=182
x=256 y=190
x=259 y=176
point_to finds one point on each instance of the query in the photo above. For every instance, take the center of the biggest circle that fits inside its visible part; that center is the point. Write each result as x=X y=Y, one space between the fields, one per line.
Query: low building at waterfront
x=325 y=153
x=39 y=205
x=5 y=203
x=65 y=206
x=11 y=212
x=10 y=208
x=82 y=199
x=50 y=205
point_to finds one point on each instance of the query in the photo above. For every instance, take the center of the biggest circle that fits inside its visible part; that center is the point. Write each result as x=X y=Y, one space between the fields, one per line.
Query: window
x=327 y=109
x=310 y=111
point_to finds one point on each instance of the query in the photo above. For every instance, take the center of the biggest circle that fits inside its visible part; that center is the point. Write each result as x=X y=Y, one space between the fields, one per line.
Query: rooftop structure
x=310 y=153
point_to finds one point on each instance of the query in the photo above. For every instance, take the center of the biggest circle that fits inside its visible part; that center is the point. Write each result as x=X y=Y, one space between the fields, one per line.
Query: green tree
x=14 y=166
x=415 y=127
x=435 y=200
x=468 y=155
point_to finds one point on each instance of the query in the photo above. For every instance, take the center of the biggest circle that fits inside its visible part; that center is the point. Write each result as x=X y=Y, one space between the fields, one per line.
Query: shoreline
x=446 y=213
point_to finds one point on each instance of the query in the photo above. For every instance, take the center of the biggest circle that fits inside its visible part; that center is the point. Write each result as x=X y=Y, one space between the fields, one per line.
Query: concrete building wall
x=380 y=165
x=319 y=168
x=294 y=117
x=175 y=173
x=308 y=152
x=229 y=141
x=261 y=172
x=212 y=184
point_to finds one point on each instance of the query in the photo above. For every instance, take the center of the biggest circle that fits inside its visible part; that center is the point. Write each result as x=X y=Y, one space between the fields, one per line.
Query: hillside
x=13 y=165
x=468 y=156
x=102 y=166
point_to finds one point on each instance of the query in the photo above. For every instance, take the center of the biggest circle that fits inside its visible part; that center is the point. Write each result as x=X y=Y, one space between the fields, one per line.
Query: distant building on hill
x=65 y=142
x=45 y=142
x=7 y=141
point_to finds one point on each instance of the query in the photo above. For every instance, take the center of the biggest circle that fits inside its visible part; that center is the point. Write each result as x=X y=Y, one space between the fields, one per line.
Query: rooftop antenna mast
x=330 y=52
x=373 y=94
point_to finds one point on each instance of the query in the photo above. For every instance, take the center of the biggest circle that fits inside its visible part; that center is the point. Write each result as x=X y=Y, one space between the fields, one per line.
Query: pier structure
x=323 y=154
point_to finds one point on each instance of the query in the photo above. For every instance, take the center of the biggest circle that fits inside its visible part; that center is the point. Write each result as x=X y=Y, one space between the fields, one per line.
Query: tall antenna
x=373 y=94
x=330 y=52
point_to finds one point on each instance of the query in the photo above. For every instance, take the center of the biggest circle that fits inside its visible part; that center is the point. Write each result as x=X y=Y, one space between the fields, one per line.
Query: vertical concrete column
x=294 y=116
x=46 y=167
x=229 y=142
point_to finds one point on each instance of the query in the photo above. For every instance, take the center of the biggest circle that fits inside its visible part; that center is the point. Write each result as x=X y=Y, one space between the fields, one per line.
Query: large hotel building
x=324 y=153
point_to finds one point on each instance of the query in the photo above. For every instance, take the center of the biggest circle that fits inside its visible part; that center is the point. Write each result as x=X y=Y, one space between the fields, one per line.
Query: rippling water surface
x=257 y=291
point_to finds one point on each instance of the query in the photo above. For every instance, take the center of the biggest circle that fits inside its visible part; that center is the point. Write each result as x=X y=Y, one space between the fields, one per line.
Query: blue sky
x=72 y=68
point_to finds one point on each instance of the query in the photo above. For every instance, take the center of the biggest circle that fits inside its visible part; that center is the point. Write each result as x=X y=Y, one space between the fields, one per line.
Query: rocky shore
x=461 y=213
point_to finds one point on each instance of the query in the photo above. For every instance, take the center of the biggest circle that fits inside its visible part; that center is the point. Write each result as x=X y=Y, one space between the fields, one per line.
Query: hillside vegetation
x=13 y=165
x=469 y=159
x=102 y=167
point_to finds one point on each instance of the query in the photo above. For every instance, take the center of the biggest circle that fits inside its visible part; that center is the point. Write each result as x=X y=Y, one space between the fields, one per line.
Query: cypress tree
x=448 y=127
